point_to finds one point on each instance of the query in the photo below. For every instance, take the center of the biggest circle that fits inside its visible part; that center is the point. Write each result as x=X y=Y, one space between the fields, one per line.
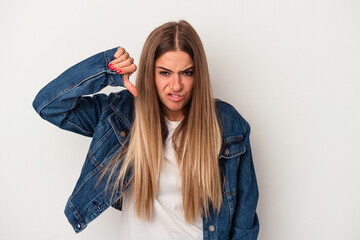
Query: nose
x=175 y=83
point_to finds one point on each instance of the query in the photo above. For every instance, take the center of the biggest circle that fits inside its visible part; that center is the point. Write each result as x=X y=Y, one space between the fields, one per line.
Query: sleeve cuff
x=115 y=79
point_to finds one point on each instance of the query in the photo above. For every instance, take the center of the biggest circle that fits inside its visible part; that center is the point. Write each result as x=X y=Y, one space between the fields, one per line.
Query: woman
x=179 y=161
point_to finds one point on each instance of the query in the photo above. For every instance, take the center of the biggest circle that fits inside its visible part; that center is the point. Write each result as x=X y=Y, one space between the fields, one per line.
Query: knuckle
x=128 y=61
x=121 y=51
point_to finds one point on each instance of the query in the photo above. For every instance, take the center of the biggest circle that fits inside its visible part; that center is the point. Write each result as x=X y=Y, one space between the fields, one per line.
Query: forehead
x=174 y=60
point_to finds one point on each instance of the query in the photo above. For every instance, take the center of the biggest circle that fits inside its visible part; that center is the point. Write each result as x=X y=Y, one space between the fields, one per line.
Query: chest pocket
x=120 y=126
x=233 y=147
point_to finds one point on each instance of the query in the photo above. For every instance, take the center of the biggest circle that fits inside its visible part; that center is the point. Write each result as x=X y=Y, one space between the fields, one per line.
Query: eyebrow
x=181 y=71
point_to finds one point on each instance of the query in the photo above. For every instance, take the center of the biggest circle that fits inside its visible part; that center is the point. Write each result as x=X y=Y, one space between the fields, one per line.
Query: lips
x=175 y=97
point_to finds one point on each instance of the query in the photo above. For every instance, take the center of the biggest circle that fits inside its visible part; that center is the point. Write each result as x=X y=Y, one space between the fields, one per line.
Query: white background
x=290 y=67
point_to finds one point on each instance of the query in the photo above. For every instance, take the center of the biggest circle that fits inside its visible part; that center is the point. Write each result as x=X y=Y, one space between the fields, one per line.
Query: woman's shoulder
x=231 y=121
x=122 y=103
x=124 y=97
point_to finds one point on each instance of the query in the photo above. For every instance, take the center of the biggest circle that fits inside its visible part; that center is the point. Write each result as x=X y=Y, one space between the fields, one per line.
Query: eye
x=164 y=73
x=188 y=73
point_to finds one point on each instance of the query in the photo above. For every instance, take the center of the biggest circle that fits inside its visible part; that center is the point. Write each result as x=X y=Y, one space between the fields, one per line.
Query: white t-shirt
x=167 y=220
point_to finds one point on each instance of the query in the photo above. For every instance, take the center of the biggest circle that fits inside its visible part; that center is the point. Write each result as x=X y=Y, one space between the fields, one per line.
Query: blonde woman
x=176 y=162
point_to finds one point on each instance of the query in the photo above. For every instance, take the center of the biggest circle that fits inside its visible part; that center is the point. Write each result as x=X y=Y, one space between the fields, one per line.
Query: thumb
x=129 y=86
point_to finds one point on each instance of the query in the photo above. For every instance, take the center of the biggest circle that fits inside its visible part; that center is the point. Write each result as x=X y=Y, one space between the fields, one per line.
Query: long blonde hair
x=198 y=137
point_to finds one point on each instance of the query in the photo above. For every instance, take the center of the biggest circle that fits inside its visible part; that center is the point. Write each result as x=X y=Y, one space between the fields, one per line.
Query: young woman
x=176 y=162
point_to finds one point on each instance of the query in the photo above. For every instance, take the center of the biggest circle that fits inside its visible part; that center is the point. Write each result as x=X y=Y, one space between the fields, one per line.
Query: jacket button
x=78 y=226
x=227 y=152
x=122 y=133
x=211 y=228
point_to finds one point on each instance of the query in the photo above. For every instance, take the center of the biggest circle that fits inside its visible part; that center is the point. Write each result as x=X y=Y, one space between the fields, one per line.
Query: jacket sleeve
x=62 y=101
x=245 y=225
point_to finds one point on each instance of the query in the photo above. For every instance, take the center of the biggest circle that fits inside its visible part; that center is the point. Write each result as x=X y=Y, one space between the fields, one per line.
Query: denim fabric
x=108 y=120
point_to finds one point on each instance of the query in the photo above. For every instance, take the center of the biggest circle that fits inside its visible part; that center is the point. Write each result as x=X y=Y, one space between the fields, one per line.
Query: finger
x=130 y=73
x=130 y=69
x=123 y=64
x=120 y=59
x=119 y=52
x=129 y=86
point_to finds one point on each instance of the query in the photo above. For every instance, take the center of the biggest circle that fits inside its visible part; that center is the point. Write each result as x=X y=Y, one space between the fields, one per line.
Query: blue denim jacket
x=108 y=119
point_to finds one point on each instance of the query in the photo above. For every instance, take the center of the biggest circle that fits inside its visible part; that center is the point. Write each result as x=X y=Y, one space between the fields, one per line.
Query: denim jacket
x=108 y=120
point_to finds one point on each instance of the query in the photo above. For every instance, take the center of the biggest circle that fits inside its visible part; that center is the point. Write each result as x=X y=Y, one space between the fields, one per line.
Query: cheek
x=161 y=84
x=191 y=85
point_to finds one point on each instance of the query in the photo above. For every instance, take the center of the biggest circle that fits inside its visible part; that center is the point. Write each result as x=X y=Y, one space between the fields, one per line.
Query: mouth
x=175 y=97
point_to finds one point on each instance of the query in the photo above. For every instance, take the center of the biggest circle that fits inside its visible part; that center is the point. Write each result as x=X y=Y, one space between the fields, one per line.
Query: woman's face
x=174 y=82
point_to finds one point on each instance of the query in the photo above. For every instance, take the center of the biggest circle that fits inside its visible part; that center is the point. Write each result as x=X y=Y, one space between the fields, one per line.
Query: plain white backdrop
x=290 y=67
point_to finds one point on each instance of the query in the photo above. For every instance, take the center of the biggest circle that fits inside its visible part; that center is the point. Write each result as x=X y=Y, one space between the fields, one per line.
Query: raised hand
x=124 y=64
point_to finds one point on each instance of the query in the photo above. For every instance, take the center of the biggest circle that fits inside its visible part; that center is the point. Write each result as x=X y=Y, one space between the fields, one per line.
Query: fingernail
x=112 y=67
x=119 y=71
